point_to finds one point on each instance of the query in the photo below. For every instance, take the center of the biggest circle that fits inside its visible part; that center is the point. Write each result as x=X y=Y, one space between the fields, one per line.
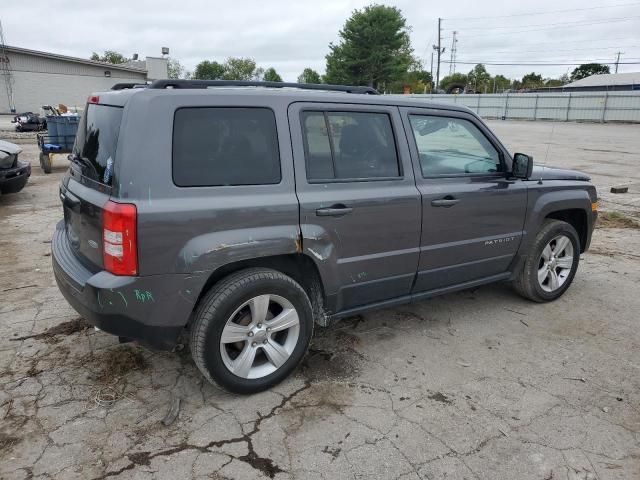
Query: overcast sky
x=290 y=36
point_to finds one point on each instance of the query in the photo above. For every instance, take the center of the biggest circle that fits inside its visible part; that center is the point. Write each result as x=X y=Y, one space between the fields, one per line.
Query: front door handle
x=334 y=211
x=446 y=202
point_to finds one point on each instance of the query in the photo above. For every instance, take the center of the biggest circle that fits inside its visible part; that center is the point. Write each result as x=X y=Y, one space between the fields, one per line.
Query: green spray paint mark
x=123 y=299
x=144 y=296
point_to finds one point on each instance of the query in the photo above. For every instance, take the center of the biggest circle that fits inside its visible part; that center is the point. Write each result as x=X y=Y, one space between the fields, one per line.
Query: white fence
x=563 y=106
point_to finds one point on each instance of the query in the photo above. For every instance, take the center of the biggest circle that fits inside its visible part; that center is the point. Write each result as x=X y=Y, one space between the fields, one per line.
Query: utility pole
x=439 y=52
x=454 y=50
x=431 y=71
x=618 y=60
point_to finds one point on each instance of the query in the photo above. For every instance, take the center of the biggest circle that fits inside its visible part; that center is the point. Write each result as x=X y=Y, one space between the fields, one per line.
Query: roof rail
x=126 y=86
x=187 y=84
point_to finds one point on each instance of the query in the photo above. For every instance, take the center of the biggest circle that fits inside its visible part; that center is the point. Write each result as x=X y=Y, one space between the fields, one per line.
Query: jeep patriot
x=245 y=212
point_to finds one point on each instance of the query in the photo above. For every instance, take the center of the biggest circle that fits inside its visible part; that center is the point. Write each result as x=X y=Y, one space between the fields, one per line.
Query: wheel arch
x=577 y=218
x=297 y=266
x=568 y=204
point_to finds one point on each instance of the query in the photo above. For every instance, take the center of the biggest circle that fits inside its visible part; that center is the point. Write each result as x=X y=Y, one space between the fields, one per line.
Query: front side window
x=452 y=146
x=349 y=145
x=225 y=146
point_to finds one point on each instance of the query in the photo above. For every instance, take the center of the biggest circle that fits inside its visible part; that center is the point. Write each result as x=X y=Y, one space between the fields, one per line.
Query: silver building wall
x=583 y=106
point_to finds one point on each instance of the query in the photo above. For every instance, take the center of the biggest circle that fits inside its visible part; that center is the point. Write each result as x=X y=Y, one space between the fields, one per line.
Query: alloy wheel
x=555 y=263
x=260 y=336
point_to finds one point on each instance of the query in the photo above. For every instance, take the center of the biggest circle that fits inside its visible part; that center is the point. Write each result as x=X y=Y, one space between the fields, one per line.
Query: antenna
x=5 y=71
x=454 y=51
x=546 y=155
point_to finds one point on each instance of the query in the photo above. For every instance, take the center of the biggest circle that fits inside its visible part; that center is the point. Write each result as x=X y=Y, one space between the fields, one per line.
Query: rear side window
x=225 y=146
x=97 y=140
x=349 y=146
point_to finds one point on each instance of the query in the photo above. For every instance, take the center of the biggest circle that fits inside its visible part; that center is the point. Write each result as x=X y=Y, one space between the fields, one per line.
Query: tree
x=309 y=75
x=500 y=83
x=270 y=75
x=374 y=48
x=588 y=69
x=479 y=79
x=207 y=70
x=238 y=68
x=418 y=81
x=175 y=69
x=453 y=81
x=109 y=56
x=553 y=82
x=532 y=80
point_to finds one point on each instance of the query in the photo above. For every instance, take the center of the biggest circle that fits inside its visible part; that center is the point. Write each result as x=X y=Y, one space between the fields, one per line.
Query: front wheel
x=551 y=265
x=251 y=330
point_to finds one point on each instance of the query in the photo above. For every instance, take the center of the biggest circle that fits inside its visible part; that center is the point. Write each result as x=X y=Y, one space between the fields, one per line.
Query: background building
x=32 y=78
x=611 y=82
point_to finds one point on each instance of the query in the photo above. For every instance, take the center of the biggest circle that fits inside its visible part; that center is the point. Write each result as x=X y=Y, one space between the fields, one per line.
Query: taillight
x=119 y=245
x=93 y=99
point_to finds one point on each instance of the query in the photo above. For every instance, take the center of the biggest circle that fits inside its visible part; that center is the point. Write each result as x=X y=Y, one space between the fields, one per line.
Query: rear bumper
x=152 y=309
x=12 y=180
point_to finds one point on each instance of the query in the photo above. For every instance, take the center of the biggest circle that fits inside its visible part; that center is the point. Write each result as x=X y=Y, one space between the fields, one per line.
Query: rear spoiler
x=127 y=86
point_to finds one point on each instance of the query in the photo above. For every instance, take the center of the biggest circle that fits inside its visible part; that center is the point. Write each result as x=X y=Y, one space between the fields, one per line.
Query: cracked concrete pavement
x=479 y=384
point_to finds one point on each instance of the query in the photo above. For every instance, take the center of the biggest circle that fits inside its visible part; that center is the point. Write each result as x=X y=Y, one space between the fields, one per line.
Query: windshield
x=96 y=141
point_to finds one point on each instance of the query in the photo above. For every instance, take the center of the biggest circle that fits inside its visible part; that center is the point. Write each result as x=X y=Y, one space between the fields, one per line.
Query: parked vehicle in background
x=29 y=122
x=14 y=174
x=248 y=211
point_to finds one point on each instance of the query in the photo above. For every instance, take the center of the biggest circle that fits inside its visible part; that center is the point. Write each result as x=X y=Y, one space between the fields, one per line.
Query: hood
x=551 y=173
x=10 y=148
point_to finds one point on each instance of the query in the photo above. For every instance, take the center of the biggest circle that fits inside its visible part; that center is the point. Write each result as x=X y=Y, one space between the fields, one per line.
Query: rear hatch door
x=87 y=186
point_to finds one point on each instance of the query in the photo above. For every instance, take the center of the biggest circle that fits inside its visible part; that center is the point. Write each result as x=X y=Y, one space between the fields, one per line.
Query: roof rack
x=126 y=86
x=190 y=84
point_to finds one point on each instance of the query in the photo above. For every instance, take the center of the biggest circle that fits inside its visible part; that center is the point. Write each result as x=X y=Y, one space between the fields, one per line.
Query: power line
x=566 y=50
x=552 y=27
x=586 y=40
x=548 y=12
x=579 y=22
x=537 y=64
x=561 y=59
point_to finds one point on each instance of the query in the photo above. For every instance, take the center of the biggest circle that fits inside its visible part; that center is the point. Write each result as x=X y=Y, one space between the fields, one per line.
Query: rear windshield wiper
x=83 y=162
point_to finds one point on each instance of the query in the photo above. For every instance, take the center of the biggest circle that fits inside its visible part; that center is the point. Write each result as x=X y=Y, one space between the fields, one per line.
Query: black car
x=13 y=173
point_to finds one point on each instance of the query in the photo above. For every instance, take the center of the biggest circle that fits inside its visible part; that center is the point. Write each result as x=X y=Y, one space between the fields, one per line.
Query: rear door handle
x=334 y=211
x=444 y=202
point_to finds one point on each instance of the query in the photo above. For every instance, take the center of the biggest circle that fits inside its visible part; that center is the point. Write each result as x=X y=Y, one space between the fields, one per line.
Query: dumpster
x=62 y=130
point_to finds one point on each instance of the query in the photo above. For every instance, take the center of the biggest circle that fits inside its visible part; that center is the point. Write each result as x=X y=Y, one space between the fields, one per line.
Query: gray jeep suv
x=247 y=211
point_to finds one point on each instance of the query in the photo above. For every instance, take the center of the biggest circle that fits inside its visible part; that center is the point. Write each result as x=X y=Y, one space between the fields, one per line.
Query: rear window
x=97 y=140
x=225 y=146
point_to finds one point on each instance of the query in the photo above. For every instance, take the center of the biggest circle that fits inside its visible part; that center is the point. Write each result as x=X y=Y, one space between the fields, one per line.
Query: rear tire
x=45 y=162
x=551 y=264
x=251 y=315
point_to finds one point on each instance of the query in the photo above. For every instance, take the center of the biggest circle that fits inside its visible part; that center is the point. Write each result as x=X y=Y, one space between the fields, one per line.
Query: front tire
x=551 y=264
x=251 y=330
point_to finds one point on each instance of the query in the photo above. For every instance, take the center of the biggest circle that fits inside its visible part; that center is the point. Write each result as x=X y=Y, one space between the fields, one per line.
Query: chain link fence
x=562 y=106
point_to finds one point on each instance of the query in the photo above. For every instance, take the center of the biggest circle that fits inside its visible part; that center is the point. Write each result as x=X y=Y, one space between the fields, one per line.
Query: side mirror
x=522 y=166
